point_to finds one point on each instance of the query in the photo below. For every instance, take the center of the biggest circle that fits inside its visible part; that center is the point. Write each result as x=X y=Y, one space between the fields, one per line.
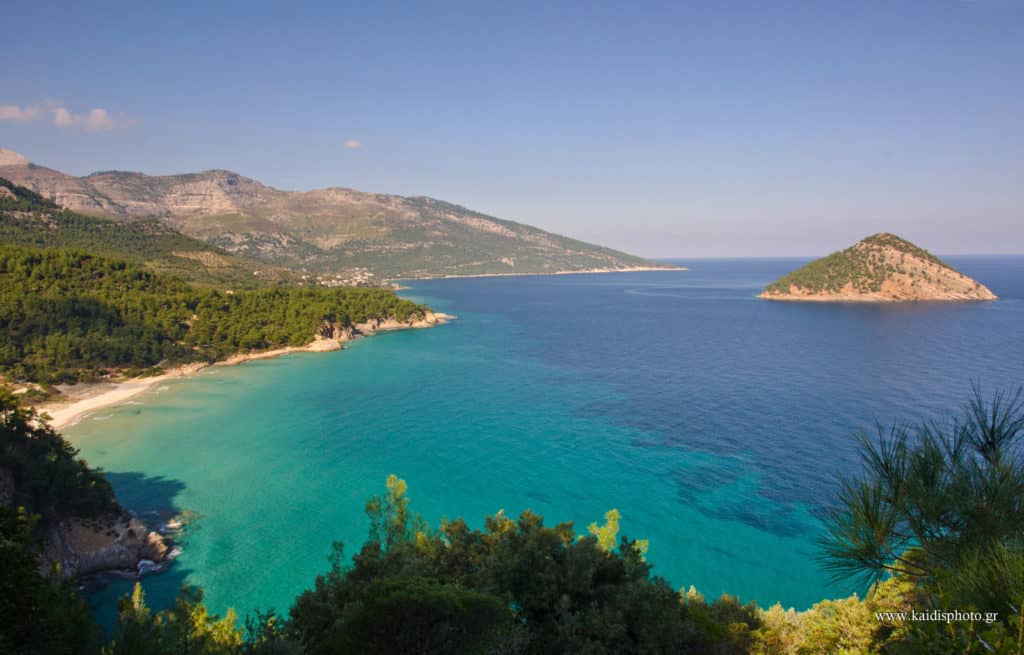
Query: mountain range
x=335 y=234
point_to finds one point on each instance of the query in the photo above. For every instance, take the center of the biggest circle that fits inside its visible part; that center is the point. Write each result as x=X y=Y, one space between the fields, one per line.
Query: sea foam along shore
x=80 y=399
x=582 y=271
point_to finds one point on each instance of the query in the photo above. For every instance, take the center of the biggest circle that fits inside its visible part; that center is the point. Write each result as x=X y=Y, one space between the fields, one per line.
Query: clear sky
x=676 y=129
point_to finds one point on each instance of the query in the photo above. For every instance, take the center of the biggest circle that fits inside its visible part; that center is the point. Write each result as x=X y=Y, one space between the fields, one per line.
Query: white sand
x=80 y=399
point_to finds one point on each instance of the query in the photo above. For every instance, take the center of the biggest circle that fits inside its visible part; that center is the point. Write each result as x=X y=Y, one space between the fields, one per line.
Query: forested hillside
x=28 y=219
x=67 y=316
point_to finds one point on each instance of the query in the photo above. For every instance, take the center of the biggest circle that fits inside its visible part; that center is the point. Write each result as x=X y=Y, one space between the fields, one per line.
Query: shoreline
x=632 y=269
x=79 y=400
x=866 y=299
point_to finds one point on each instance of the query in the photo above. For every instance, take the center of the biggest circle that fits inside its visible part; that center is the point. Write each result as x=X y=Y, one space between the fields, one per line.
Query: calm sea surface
x=715 y=422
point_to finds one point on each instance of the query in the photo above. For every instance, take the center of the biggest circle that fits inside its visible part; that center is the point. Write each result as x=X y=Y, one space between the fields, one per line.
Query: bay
x=715 y=422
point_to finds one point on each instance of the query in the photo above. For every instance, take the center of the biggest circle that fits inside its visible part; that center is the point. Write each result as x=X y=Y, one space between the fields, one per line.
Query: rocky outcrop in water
x=119 y=542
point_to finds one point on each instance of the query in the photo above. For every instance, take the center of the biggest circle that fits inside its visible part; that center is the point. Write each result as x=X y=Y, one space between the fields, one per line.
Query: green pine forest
x=67 y=316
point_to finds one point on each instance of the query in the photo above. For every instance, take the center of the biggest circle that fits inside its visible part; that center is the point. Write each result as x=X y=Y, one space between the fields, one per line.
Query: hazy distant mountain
x=327 y=231
x=879 y=268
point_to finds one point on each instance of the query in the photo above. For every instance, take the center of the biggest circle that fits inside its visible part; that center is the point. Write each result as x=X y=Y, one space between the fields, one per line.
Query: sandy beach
x=77 y=400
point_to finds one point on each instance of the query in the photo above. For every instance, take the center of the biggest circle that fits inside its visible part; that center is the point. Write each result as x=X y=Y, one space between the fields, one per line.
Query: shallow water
x=715 y=422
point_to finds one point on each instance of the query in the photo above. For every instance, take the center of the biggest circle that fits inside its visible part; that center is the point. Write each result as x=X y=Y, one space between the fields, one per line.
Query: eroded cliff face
x=119 y=542
x=11 y=158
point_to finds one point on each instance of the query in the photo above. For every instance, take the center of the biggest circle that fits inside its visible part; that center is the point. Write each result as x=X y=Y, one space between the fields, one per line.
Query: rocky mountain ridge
x=334 y=231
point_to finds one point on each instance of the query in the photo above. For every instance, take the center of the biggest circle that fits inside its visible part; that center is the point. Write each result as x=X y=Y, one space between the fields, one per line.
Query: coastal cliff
x=344 y=334
x=115 y=542
x=880 y=268
x=69 y=507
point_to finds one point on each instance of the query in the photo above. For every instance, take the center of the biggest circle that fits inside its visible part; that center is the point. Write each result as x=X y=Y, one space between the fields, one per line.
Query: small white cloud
x=95 y=120
x=353 y=144
x=99 y=119
x=19 y=114
x=63 y=118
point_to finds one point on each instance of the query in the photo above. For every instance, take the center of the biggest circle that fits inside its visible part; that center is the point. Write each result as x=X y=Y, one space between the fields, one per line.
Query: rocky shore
x=118 y=543
x=76 y=547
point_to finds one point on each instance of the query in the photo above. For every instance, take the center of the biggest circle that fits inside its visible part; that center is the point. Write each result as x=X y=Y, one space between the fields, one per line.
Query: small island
x=880 y=268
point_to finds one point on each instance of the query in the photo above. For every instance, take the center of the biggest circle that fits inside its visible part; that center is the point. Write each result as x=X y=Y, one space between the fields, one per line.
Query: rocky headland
x=75 y=546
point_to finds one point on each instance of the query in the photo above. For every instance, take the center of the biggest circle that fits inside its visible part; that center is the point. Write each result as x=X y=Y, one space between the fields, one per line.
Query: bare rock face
x=118 y=542
x=880 y=268
x=67 y=191
x=11 y=158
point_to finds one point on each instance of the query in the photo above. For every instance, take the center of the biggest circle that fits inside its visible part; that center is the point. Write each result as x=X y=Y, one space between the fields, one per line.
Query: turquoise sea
x=715 y=422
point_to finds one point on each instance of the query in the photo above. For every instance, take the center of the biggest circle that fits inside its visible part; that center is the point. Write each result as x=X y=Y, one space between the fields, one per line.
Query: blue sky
x=677 y=129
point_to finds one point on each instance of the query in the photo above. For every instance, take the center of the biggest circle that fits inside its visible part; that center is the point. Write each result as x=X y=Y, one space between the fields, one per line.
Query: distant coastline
x=80 y=399
x=631 y=269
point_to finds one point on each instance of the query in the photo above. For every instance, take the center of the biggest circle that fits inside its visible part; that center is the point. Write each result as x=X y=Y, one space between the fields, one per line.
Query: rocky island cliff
x=880 y=268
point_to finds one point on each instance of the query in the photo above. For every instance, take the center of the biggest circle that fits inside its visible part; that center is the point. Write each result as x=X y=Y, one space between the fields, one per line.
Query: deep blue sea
x=715 y=422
